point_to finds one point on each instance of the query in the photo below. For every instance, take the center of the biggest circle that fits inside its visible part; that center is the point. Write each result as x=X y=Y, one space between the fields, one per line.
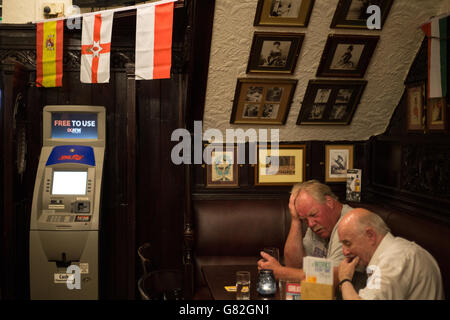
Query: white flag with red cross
x=96 y=47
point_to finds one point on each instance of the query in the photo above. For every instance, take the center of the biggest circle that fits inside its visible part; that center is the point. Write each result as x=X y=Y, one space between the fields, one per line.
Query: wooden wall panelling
x=14 y=80
x=148 y=162
x=411 y=170
x=201 y=17
x=172 y=203
x=8 y=214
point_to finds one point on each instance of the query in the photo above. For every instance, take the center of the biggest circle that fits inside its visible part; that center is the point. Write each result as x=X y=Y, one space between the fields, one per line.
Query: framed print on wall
x=223 y=172
x=437 y=114
x=262 y=101
x=353 y=13
x=283 y=13
x=289 y=170
x=274 y=52
x=338 y=158
x=346 y=55
x=330 y=102
x=415 y=95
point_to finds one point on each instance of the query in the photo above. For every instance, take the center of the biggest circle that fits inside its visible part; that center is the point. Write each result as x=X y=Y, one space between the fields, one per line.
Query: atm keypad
x=60 y=219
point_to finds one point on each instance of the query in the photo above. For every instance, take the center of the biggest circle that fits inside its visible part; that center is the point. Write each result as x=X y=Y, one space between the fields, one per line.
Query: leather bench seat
x=230 y=232
x=233 y=232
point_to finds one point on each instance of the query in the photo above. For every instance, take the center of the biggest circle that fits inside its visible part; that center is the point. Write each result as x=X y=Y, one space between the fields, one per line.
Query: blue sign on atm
x=72 y=154
x=71 y=125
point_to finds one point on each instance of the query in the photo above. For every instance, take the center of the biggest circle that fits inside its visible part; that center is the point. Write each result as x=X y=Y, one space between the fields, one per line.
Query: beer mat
x=230 y=288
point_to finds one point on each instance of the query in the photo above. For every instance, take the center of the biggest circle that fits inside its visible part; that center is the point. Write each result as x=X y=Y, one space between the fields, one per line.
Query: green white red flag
x=436 y=32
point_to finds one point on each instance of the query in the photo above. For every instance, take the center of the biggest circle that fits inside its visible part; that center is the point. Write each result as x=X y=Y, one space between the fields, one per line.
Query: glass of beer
x=273 y=251
x=242 y=285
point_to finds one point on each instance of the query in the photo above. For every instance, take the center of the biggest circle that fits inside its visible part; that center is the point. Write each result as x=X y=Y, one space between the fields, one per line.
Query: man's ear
x=329 y=201
x=371 y=235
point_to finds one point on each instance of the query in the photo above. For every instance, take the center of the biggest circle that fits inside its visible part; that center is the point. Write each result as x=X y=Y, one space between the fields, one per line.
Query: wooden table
x=219 y=276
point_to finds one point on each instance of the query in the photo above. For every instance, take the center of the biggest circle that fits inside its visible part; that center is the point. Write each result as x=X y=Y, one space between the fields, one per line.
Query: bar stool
x=166 y=284
x=144 y=256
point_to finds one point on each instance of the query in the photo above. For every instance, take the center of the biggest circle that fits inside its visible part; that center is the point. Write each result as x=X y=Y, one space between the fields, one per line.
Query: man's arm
x=346 y=271
x=293 y=248
x=348 y=291
x=279 y=271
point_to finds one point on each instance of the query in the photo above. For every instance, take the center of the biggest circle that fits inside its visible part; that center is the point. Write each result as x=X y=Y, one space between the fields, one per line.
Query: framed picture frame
x=223 y=170
x=437 y=114
x=415 y=97
x=346 y=55
x=338 y=158
x=352 y=14
x=330 y=102
x=274 y=52
x=288 y=170
x=283 y=13
x=262 y=101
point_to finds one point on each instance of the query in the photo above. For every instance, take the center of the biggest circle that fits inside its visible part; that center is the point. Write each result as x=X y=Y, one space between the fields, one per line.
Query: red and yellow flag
x=49 y=53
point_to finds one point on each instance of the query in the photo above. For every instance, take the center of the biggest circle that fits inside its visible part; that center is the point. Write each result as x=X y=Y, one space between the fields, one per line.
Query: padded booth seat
x=233 y=232
x=230 y=232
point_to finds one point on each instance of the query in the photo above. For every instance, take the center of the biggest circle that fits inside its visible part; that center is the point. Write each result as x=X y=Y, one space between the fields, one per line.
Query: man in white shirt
x=313 y=203
x=400 y=269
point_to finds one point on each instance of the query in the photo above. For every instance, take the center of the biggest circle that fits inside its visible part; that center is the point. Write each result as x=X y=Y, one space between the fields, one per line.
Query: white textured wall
x=399 y=42
x=23 y=11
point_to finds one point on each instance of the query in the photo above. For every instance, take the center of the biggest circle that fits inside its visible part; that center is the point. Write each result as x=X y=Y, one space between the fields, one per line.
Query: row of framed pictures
x=288 y=170
x=344 y=55
x=267 y=101
x=295 y=13
x=424 y=114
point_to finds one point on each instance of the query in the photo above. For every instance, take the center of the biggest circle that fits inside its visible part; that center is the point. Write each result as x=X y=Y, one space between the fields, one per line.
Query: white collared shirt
x=402 y=270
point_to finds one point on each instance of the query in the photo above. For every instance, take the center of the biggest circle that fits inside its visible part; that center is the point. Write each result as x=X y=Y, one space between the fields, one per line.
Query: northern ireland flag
x=49 y=53
x=154 y=41
x=96 y=47
x=436 y=32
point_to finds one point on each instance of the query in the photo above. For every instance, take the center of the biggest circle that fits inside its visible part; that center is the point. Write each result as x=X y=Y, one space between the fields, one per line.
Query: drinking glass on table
x=273 y=251
x=242 y=285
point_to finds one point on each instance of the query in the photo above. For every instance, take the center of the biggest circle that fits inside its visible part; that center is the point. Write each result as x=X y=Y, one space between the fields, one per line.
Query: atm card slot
x=56 y=206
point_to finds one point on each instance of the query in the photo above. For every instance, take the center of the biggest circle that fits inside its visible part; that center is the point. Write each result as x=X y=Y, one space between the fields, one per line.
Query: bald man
x=314 y=205
x=398 y=269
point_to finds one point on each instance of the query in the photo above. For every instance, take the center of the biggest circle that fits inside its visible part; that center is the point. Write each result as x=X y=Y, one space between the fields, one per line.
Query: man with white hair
x=400 y=269
x=314 y=205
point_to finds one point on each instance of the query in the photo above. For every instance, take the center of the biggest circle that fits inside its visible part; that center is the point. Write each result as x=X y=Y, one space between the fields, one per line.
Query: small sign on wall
x=353 y=185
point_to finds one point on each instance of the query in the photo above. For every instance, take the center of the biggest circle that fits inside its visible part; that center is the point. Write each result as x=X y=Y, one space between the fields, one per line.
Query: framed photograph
x=346 y=56
x=283 y=13
x=437 y=114
x=415 y=95
x=274 y=52
x=283 y=166
x=338 y=159
x=262 y=101
x=330 y=102
x=353 y=14
x=223 y=172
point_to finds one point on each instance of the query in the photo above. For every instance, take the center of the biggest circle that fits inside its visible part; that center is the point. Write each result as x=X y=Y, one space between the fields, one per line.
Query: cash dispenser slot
x=63 y=263
x=83 y=206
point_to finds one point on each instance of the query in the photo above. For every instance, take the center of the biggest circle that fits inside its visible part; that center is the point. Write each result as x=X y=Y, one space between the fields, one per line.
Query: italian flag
x=436 y=32
x=49 y=53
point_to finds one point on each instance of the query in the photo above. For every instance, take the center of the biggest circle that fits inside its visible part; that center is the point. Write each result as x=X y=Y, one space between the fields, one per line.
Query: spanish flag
x=49 y=53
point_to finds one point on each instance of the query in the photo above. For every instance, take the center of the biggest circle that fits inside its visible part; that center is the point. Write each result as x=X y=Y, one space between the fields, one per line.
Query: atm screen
x=69 y=182
x=74 y=125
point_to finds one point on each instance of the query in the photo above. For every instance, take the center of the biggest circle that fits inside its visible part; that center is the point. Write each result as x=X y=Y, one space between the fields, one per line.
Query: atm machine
x=65 y=214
